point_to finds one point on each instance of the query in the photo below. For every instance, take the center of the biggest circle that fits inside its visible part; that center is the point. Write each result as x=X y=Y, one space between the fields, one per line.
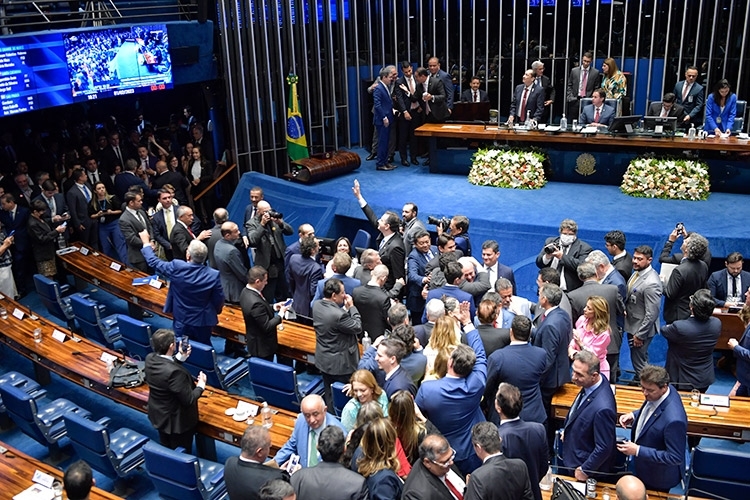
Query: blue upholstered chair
x=53 y=296
x=94 y=325
x=339 y=398
x=718 y=469
x=277 y=384
x=136 y=335
x=21 y=382
x=184 y=477
x=221 y=371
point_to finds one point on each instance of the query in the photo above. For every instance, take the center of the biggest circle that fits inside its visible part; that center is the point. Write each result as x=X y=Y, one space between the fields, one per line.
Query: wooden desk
x=731 y=424
x=87 y=370
x=297 y=341
x=547 y=495
x=17 y=469
x=731 y=327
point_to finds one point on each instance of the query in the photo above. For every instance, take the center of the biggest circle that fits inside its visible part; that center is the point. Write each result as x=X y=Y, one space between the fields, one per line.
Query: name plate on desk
x=43 y=478
x=116 y=266
x=59 y=336
x=714 y=400
x=17 y=313
x=155 y=283
x=84 y=251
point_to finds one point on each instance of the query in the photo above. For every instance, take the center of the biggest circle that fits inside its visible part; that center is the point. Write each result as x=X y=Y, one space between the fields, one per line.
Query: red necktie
x=523 y=104
x=596 y=116
x=584 y=80
x=685 y=89
x=454 y=490
x=191 y=232
x=476 y=97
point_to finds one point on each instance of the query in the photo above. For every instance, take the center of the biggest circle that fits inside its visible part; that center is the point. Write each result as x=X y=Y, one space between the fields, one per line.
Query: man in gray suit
x=434 y=96
x=581 y=83
x=336 y=334
x=265 y=232
x=132 y=221
x=229 y=263
x=329 y=476
x=642 y=306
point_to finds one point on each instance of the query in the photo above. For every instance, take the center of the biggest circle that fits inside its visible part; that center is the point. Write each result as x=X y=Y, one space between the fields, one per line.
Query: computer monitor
x=660 y=124
x=624 y=124
x=470 y=111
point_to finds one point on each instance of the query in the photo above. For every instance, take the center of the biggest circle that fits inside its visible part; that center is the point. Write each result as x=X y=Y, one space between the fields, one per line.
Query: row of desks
x=79 y=362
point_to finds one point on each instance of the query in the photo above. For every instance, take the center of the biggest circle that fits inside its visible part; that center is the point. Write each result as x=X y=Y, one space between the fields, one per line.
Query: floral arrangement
x=508 y=168
x=666 y=178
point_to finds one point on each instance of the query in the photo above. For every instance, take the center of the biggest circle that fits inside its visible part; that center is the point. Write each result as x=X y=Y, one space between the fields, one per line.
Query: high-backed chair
x=41 y=420
x=277 y=384
x=182 y=476
x=136 y=335
x=21 y=382
x=616 y=104
x=221 y=371
x=739 y=119
x=93 y=323
x=115 y=454
x=53 y=296
x=718 y=469
x=361 y=241
x=339 y=398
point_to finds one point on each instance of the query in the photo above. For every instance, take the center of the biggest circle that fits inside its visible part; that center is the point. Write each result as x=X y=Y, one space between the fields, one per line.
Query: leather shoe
x=371 y=157
x=147 y=314
x=387 y=166
x=427 y=162
x=405 y=163
x=414 y=161
x=390 y=159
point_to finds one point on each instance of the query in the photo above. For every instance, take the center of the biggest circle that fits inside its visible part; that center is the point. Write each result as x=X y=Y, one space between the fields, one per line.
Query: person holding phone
x=7 y=283
x=43 y=237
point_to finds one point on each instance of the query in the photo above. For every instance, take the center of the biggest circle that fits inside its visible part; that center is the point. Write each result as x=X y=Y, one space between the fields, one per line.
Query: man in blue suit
x=416 y=264
x=452 y=402
x=14 y=219
x=195 y=296
x=527 y=99
x=340 y=264
x=383 y=115
x=729 y=282
x=589 y=429
x=454 y=273
x=658 y=432
x=597 y=114
x=690 y=95
x=127 y=179
x=311 y=421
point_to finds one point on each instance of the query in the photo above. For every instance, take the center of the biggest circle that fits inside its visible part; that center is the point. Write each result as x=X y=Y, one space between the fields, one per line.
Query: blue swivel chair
x=21 y=382
x=53 y=296
x=221 y=371
x=94 y=325
x=115 y=454
x=181 y=476
x=718 y=469
x=136 y=335
x=339 y=398
x=277 y=384
x=361 y=241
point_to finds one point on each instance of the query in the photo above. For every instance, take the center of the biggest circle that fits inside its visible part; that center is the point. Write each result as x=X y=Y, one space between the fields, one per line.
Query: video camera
x=443 y=222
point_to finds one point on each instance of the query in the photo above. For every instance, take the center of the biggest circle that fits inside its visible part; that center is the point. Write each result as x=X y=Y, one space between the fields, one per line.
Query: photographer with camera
x=266 y=233
x=564 y=253
x=458 y=227
x=666 y=256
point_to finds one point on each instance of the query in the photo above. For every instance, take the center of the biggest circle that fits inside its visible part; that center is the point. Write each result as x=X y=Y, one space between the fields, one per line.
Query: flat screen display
x=117 y=61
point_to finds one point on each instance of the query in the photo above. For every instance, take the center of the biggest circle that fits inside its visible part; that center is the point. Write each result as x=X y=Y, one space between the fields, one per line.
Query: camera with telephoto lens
x=443 y=222
x=551 y=248
x=275 y=215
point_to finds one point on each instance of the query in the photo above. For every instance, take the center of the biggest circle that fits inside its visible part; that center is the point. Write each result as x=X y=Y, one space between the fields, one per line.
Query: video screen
x=118 y=61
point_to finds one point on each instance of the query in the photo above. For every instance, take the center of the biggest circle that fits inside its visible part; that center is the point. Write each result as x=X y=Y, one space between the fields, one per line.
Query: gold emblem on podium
x=585 y=164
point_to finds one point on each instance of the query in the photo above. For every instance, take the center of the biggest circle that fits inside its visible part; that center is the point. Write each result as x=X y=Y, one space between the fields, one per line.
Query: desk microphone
x=81 y=353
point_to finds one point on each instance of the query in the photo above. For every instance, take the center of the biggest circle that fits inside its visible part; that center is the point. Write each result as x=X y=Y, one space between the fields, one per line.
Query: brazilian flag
x=296 y=142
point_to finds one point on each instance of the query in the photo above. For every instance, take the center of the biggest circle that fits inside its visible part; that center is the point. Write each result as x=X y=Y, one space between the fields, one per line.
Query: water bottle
x=266 y=416
x=546 y=483
x=563 y=123
x=528 y=117
x=366 y=341
x=691 y=132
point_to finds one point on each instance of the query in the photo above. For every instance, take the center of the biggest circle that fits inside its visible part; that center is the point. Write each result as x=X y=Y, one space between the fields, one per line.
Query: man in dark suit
x=496 y=469
x=15 y=218
x=582 y=81
x=260 y=320
x=373 y=303
x=658 y=432
x=434 y=475
x=412 y=116
x=173 y=398
x=687 y=278
x=544 y=83
x=565 y=253
x=452 y=402
x=127 y=179
x=729 y=282
x=527 y=100
x=245 y=474
x=304 y=230
x=165 y=176
x=304 y=274
x=453 y=276
x=434 y=97
x=521 y=365
x=195 y=296
x=547 y=275
x=437 y=73
x=220 y=216
x=78 y=198
x=336 y=332
x=417 y=261
x=667 y=108
x=23 y=191
x=383 y=359
x=114 y=155
x=521 y=439
x=94 y=174
x=329 y=476
x=434 y=308
x=383 y=118
x=340 y=265
x=266 y=235
x=598 y=113
x=163 y=222
x=589 y=428
x=642 y=306
x=132 y=221
x=229 y=263
x=492 y=265
x=690 y=95
x=492 y=338
x=474 y=93
x=614 y=242
x=184 y=231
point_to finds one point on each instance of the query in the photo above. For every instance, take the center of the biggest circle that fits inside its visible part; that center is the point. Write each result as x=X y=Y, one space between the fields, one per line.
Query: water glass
x=575 y=125
x=3 y=313
x=37 y=335
x=695 y=398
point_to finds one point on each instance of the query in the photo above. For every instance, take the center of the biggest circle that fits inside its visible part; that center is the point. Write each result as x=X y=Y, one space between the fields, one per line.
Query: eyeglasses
x=448 y=462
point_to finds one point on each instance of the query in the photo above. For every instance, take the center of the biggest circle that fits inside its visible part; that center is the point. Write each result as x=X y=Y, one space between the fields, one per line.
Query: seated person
x=474 y=93
x=597 y=114
x=667 y=107
x=721 y=109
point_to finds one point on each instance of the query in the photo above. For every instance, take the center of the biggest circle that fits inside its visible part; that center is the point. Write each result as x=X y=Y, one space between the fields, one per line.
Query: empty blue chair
x=221 y=371
x=41 y=420
x=718 y=469
x=339 y=398
x=53 y=296
x=361 y=241
x=115 y=454
x=277 y=384
x=19 y=381
x=94 y=325
x=176 y=474
x=136 y=335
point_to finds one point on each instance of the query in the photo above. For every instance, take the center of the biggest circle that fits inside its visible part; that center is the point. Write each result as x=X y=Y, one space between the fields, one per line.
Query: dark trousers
x=406 y=134
x=552 y=424
x=173 y=441
x=329 y=379
x=200 y=334
x=614 y=366
x=382 y=151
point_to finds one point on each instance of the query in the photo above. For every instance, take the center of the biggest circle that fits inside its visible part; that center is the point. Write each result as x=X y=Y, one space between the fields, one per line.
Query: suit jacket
x=179 y=240
x=178 y=181
x=690 y=361
x=676 y=111
x=493 y=338
x=244 y=479
x=410 y=228
x=574 y=83
x=534 y=103
x=101 y=177
x=718 y=118
x=415 y=268
x=588 y=114
x=299 y=440
x=392 y=253
x=19 y=225
x=304 y=274
x=616 y=279
x=373 y=304
x=522 y=365
x=329 y=481
x=265 y=240
x=79 y=207
x=109 y=159
x=478 y=287
x=468 y=96
x=590 y=432
x=60 y=206
x=195 y=295
x=452 y=404
x=661 y=458
x=421 y=484
x=527 y=441
x=260 y=324
x=512 y=473
x=159 y=225
x=717 y=283
x=125 y=180
x=642 y=305
x=349 y=285
x=686 y=279
x=42 y=239
x=423 y=332
x=336 y=334
x=580 y=296
x=693 y=104
x=439 y=104
x=451 y=291
x=130 y=227
x=624 y=265
x=22 y=199
x=173 y=397
x=666 y=255
x=570 y=261
x=400 y=380
x=231 y=269
x=407 y=377
x=742 y=353
x=383 y=106
x=554 y=335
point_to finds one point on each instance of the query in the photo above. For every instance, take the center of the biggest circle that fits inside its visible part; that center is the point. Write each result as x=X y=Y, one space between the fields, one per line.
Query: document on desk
x=35 y=492
x=589 y=130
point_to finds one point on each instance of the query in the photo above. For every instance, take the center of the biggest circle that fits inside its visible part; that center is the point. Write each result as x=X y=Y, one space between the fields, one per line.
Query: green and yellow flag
x=296 y=142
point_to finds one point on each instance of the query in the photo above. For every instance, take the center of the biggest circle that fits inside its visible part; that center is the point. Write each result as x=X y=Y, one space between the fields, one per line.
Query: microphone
x=81 y=353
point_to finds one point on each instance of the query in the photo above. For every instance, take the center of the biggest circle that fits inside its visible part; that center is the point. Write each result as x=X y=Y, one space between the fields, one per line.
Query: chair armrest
x=180 y=449
x=315 y=386
x=65 y=289
x=39 y=394
x=217 y=478
x=102 y=309
x=104 y=421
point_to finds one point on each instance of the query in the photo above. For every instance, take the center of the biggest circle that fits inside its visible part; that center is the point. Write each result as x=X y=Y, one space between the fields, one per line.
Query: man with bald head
x=434 y=475
x=221 y=215
x=304 y=230
x=265 y=232
x=630 y=488
x=373 y=302
x=229 y=262
x=184 y=231
x=165 y=176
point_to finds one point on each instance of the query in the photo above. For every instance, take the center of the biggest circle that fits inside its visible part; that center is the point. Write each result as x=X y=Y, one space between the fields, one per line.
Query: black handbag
x=126 y=374
x=563 y=490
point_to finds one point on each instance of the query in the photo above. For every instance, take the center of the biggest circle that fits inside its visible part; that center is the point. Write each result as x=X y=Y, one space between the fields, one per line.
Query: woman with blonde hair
x=592 y=332
x=379 y=463
x=365 y=389
x=442 y=340
x=105 y=208
x=614 y=81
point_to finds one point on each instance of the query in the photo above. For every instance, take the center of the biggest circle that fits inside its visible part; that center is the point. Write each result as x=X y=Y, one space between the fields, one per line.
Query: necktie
x=169 y=219
x=523 y=104
x=579 y=399
x=584 y=80
x=596 y=116
x=140 y=219
x=648 y=410
x=426 y=104
x=685 y=91
x=476 y=96
x=191 y=232
x=52 y=208
x=119 y=156
x=94 y=178
x=632 y=280
x=86 y=193
x=734 y=287
x=454 y=491
x=312 y=459
x=664 y=112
